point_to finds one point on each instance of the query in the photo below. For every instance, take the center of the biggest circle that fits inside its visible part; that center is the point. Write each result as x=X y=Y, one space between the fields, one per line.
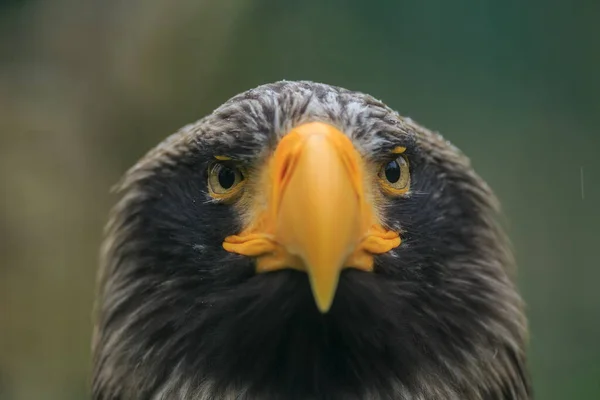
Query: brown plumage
x=185 y=311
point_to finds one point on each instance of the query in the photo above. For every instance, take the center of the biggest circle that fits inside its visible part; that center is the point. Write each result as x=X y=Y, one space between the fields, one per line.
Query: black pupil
x=226 y=177
x=392 y=171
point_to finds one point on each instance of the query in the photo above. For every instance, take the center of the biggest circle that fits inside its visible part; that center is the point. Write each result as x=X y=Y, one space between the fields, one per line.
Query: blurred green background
x=87 y=87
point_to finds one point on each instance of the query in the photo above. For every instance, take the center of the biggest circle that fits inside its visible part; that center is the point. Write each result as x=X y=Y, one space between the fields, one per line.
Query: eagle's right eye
x=224 y=180
x=394 y=176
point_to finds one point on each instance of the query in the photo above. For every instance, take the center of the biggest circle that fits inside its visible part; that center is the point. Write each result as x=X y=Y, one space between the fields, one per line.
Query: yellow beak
x=318 y=218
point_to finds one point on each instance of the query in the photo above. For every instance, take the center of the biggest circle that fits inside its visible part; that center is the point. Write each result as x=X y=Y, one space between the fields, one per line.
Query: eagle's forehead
x=259 y=117
x=249 y=125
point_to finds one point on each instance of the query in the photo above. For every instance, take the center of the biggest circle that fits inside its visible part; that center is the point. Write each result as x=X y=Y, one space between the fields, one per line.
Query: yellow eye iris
x=224 y=180
x=394 y=176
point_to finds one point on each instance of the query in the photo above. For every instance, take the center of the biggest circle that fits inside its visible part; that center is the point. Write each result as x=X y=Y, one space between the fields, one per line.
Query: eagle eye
x=394 y=176
x=224 y=179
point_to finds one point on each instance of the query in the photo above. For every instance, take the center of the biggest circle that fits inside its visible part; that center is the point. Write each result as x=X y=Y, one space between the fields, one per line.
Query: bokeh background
x=87 y=87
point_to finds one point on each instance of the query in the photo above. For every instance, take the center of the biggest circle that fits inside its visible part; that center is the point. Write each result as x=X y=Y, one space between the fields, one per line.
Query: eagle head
x=305 y=241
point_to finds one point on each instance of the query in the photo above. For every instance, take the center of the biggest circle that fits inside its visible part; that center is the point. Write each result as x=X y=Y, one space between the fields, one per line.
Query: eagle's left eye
x=224 y=179
x=394 y=176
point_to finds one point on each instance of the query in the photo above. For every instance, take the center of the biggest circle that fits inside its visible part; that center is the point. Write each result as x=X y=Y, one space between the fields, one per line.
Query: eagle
x=304 y=241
